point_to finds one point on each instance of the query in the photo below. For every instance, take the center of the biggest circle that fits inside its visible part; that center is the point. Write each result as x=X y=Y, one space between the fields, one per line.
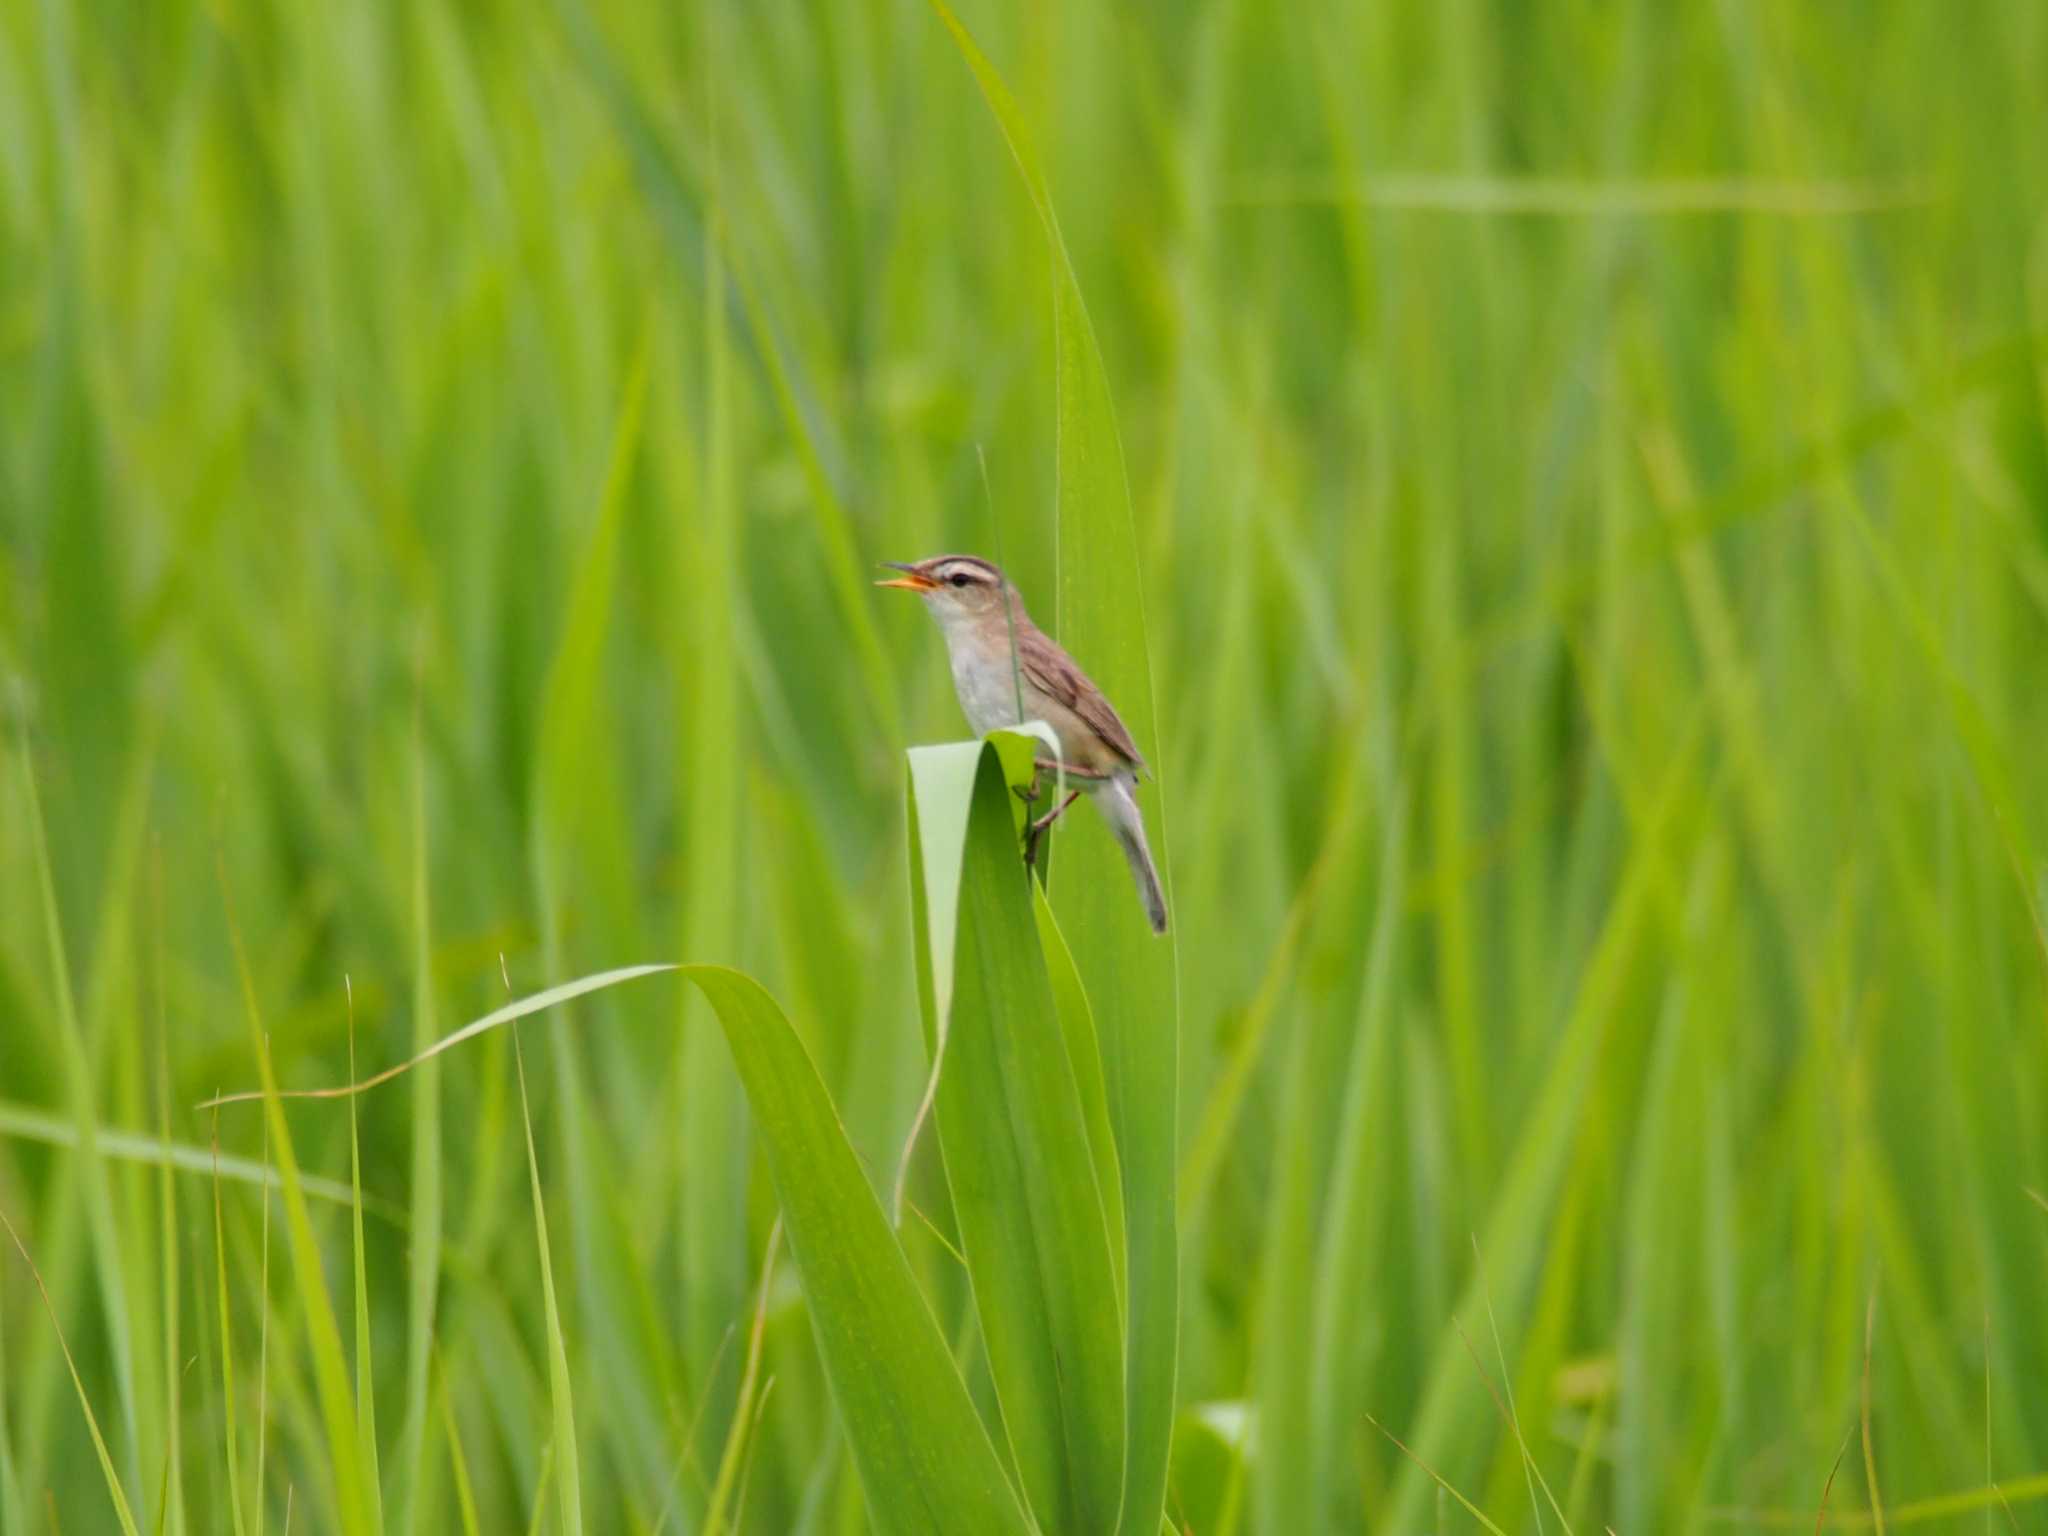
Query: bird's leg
x=1055 y=813
x=1029 y=793
x=1037 y=828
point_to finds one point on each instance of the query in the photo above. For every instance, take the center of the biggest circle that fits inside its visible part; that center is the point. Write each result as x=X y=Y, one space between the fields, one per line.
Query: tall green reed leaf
x=1131 y=977
x=1015 y=1133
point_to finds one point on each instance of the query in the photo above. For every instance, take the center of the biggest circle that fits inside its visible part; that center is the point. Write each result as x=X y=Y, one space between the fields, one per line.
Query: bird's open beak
x=912 y=579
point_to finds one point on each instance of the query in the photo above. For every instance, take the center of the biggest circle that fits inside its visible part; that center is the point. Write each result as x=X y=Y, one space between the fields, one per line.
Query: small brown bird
x=998 y=653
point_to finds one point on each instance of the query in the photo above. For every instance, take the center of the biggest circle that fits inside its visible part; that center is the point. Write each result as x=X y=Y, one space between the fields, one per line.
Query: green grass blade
x=1016 y=1139
x=561 y=1395
x=739 y=1437
x=424 y=1237
x=458 y=1466
x=10 y=1479
x=99 y=1444
x=171 y=1514
x=925 y=1463
x=366 y=1383
x=519 y=1008
x=323 y=1335
x=540 y=1490
x=228 y=1419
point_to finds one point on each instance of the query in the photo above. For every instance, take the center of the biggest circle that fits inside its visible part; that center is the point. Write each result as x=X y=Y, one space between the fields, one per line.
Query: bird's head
x=956 y=588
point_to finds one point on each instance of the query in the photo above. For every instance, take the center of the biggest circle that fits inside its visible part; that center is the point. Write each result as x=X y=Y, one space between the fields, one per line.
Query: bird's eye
x=959 y=578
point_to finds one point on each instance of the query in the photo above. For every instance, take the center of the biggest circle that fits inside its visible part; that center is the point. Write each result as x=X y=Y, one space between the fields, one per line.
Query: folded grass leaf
x=1014 y=1126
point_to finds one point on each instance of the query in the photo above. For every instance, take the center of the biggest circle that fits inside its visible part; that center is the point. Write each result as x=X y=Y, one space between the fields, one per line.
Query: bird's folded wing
x=1053 y=672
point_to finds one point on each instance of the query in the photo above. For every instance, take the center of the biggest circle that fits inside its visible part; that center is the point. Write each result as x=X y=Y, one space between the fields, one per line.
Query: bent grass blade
x=926 y=1467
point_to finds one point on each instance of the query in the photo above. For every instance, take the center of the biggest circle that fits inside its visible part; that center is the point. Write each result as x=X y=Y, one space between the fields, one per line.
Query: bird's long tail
x=1118 y=802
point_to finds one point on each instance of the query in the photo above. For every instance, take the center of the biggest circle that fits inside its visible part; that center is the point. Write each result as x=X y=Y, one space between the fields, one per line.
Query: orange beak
x=912 y=579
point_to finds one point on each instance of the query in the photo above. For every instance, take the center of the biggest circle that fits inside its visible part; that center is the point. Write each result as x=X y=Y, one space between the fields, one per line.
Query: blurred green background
x=1591 y=472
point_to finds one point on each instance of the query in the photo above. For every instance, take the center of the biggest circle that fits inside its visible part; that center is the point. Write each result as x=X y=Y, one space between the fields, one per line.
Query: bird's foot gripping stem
x=1030 y=793
x=1037 y=828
